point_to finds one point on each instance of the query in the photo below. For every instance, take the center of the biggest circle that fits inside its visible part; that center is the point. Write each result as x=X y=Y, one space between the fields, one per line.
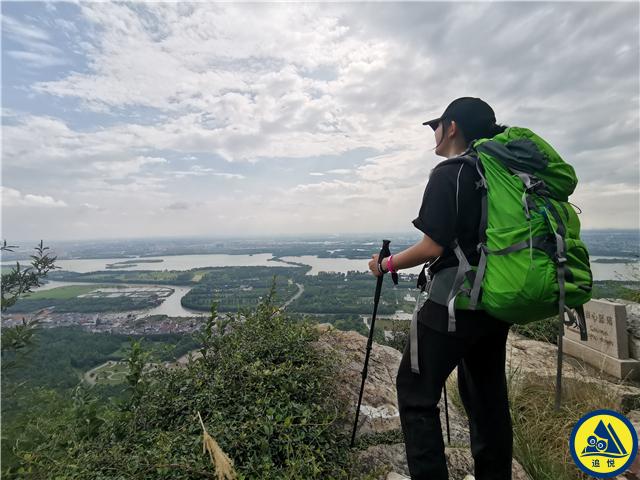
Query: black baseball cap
x=473 y=115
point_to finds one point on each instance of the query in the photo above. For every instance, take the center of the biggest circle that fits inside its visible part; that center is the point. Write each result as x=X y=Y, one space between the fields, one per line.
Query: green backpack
x=532 y=262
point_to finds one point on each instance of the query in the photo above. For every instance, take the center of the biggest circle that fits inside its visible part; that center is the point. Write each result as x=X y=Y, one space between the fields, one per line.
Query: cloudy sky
x=171 y=119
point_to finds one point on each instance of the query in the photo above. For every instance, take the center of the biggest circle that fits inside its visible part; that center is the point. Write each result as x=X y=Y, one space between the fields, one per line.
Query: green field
x=66 y=292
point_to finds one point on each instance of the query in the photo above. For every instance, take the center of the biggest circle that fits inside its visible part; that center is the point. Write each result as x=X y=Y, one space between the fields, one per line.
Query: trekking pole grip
x=384 y=253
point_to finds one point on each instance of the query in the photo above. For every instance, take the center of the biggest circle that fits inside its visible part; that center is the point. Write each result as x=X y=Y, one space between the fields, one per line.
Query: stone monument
x=607 y=347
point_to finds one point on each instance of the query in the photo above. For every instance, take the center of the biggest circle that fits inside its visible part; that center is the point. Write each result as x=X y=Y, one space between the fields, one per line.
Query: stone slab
x=606 y=328
x=616 y=367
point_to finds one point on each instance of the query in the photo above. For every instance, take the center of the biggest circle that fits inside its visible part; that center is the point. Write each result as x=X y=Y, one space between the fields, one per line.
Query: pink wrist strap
x=390 y=267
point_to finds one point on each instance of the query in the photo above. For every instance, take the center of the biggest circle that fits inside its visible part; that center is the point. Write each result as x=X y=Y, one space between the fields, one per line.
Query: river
x=601 y=271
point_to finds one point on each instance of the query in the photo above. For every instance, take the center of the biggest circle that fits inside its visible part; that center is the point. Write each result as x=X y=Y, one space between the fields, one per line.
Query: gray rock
x=397 y=476
x=531 y=357
x=379 y=409
x=633 y=325
x=383 y=459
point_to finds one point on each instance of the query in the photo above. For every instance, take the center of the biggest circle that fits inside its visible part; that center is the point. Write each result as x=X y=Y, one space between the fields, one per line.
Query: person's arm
x=436 y=219
x=417 y=254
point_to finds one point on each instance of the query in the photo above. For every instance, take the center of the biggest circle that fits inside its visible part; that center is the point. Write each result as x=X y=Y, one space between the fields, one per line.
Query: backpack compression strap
x=464 y=270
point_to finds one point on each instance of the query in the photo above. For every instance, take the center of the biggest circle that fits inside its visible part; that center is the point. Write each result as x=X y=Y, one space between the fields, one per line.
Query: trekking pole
x=384 y=252
x=446 y=415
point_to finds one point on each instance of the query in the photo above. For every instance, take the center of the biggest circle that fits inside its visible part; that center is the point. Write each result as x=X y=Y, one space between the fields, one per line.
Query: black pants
x=483 y=390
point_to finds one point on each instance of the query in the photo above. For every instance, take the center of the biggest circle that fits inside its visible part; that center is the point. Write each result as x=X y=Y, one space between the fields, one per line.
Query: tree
x=18 y=283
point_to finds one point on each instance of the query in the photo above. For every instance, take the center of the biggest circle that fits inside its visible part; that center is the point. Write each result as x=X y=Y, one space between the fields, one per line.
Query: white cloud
x=38 y=51
x=21 y=31
x=124 y=168
x=90 y=206
x=254 y=83
x=178 y=206
x=41 y=60
x=199 y=171
x=14 y=198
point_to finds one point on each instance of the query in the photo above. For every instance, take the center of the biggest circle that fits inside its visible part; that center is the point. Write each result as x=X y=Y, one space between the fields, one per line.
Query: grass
x=66 y=292
x=198 y=274
x=540 y=434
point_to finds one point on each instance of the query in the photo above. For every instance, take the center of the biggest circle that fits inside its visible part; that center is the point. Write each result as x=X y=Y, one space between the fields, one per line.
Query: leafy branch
x=18 y=283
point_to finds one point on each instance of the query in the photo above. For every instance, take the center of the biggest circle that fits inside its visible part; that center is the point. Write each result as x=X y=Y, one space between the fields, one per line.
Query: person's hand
x=373 y=265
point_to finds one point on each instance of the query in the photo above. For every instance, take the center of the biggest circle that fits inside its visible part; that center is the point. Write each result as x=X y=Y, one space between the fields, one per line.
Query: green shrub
x=398 y=335
x=266 y=396
x=543 y=330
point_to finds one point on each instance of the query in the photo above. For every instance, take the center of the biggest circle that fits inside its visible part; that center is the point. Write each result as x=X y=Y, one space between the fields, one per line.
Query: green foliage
x=399 y=335
x=19 y=281
x=543 y=330
x=266 y=396
x=66 y=292
x=547 y=330
x=87 y=305
x=240 y=287
x=16 y=284
x=15 y=340
x=53 y=368
x=351 y=293
x=136 y=361
x=157 y=277
x=61 y=355
x=625 y=289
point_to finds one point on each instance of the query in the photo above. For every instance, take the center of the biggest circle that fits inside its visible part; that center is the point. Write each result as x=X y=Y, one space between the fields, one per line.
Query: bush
x=543 y=330
x=266 y=396
x=398 y=333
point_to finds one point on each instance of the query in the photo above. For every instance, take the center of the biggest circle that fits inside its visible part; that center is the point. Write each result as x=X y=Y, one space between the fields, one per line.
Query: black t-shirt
x=445 y=217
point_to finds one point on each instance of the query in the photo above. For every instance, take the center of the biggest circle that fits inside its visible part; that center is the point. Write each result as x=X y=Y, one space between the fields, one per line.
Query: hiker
x=450 y=210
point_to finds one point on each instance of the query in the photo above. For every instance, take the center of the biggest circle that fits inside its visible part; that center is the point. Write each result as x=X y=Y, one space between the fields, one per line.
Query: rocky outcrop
x=633 y=325
x=379 y=411
x=531 y=357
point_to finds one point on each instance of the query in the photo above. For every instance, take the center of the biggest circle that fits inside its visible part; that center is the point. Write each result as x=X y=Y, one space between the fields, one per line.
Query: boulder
x=633 y=325
x=379 y=408
x=389 y=461
x=526 y=356
x=379 y=411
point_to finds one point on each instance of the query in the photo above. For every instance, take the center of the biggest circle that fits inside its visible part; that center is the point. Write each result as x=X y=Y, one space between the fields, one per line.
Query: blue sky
x=170 y=119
